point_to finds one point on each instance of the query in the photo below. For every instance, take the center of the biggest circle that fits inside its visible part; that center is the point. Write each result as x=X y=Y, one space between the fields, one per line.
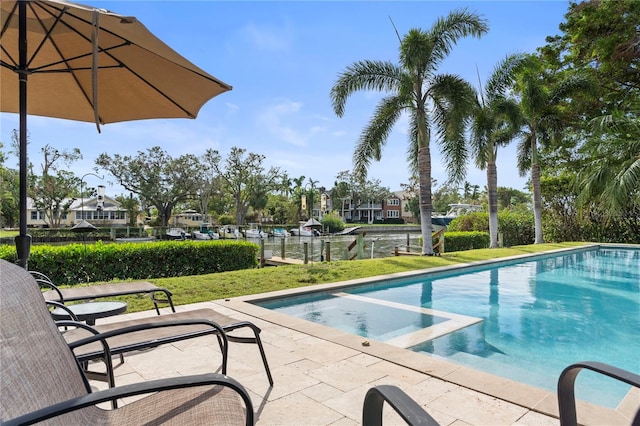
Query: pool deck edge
x=527 y=396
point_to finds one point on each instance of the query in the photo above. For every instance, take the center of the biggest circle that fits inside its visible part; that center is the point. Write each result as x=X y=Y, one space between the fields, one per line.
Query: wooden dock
x=278 y=261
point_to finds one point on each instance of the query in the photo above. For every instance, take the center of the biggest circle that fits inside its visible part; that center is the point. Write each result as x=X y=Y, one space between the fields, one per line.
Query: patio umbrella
x=71 y=61
x=312 y=222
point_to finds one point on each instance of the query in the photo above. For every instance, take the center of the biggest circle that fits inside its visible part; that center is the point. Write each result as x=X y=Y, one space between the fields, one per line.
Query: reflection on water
x=375 y=246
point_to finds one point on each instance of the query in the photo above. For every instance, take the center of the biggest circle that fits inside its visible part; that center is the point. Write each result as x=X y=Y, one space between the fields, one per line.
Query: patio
x=321 y=376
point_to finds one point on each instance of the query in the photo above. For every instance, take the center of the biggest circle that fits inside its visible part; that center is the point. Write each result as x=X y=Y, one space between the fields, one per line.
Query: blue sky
x=282 y=58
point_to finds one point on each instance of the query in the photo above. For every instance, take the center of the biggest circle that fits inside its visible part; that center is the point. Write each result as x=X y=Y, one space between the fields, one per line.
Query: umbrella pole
x=23 y=240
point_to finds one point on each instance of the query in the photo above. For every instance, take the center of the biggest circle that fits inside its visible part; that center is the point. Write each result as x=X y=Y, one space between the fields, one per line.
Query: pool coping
x=527 y=396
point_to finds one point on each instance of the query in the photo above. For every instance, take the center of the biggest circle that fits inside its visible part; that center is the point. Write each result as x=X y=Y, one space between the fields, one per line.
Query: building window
x=393 y=202
x=36 y=215
x=393 y=214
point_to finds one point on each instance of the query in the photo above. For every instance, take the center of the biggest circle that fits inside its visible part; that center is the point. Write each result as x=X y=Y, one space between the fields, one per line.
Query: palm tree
x=541 y=103
x=612 y=174
x=438 y=101
x=495 y=123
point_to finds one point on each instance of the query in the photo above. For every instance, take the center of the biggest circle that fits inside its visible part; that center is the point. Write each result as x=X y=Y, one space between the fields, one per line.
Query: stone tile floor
x=321 y=377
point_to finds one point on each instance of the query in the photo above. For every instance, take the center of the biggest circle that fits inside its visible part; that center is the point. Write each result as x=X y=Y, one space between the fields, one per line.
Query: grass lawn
x=201 y=288
x=8 y=234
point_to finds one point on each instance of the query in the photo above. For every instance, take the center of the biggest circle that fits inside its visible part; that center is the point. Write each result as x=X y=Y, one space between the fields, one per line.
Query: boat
x=254 y=232
x=208 y=235
x=228 y=231
x=135 y=239
x=305 y=231
x=177 y=234
x=281 y=233
x=455 y=210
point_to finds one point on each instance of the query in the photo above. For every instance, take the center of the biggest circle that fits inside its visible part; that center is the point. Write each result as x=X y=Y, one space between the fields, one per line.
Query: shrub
x=476 y=221
x=463 y=240
x=76 y=263
x=459 y=241
x=332 y=222
x=517 y=228
x=226 y=219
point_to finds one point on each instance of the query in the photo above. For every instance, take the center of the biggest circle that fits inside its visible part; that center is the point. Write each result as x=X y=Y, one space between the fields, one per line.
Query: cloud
x=269 y=39
x=273 y=117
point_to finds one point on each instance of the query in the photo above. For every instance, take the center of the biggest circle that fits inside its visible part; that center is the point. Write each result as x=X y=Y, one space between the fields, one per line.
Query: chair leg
x=264 y=358
x=254 y=340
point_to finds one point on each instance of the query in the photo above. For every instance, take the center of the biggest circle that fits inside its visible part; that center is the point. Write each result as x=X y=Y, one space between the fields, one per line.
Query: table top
x=90 y=311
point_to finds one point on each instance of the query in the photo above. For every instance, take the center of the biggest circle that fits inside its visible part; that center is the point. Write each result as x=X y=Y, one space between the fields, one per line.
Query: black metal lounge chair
x=414 y=414
x=98 y=291
x=407 y=408
x=131 y=335
x=42 y=379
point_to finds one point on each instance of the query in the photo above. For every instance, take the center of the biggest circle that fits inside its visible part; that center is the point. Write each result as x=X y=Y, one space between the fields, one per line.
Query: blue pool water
x=538 y=316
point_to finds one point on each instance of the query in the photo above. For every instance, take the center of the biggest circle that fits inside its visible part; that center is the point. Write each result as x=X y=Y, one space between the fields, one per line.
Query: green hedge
x=517 y=228
x=76 y=263
x=459 y=241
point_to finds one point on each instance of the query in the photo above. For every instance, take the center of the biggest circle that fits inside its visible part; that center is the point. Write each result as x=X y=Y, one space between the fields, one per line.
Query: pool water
x=537 y=317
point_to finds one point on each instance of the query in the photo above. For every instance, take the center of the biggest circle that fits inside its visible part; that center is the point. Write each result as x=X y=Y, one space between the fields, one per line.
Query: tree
x=243 y=176
x=157 y=178
x=9 y=193
x=414 y=87
x=611 y=175
x=131 y=205
x=52 y=190
x=297 y=195
x=310 y=195
x=444 y=195
x=543 y=102
x=510 y=197
x=496 y=122
x=361 y=192
x=601 y=38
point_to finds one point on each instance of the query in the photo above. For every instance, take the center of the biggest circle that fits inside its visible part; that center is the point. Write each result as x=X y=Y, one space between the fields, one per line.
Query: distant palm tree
x=541 y=104
x=495 y=123
x=286 y=185
x=466 y=190
x=439 y=101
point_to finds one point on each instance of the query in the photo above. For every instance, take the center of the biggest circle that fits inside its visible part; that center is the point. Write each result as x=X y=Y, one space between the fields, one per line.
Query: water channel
x=375 y=245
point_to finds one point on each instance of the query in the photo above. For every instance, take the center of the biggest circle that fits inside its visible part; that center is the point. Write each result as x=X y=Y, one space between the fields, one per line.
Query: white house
x=100 y=210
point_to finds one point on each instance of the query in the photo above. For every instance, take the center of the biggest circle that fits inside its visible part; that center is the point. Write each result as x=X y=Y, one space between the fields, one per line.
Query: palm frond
x=503 y=76
x=364 y=75
x=575 y=85
x=454 y=102
x=446 y=31
x=375 y=135
x=415 y=53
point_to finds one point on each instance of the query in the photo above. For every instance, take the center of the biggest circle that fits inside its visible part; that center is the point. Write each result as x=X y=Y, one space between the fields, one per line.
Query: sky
x=282 y=59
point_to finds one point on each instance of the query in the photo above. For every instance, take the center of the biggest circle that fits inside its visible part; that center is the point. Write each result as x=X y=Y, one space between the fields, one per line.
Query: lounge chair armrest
x=566 y=382
x=47 y=283
x=147 y=326
x=63 y=307
x=135 y=389
x=403 y=404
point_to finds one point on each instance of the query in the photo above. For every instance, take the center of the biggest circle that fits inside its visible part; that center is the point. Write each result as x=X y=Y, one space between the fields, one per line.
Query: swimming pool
x=523 y=320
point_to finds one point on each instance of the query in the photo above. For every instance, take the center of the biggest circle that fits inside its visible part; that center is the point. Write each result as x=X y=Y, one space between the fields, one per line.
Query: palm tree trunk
x=492 y=195
x=426 y=205
x=537 y=202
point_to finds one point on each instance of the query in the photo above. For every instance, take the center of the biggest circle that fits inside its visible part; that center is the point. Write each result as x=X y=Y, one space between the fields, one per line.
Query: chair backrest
x=37 y=368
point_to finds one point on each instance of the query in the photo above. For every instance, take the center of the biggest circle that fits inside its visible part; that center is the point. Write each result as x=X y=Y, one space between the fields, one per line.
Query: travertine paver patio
x=321 y=376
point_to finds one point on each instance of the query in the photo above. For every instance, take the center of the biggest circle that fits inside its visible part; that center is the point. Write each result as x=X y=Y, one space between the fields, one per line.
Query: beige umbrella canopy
x=82 y=63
